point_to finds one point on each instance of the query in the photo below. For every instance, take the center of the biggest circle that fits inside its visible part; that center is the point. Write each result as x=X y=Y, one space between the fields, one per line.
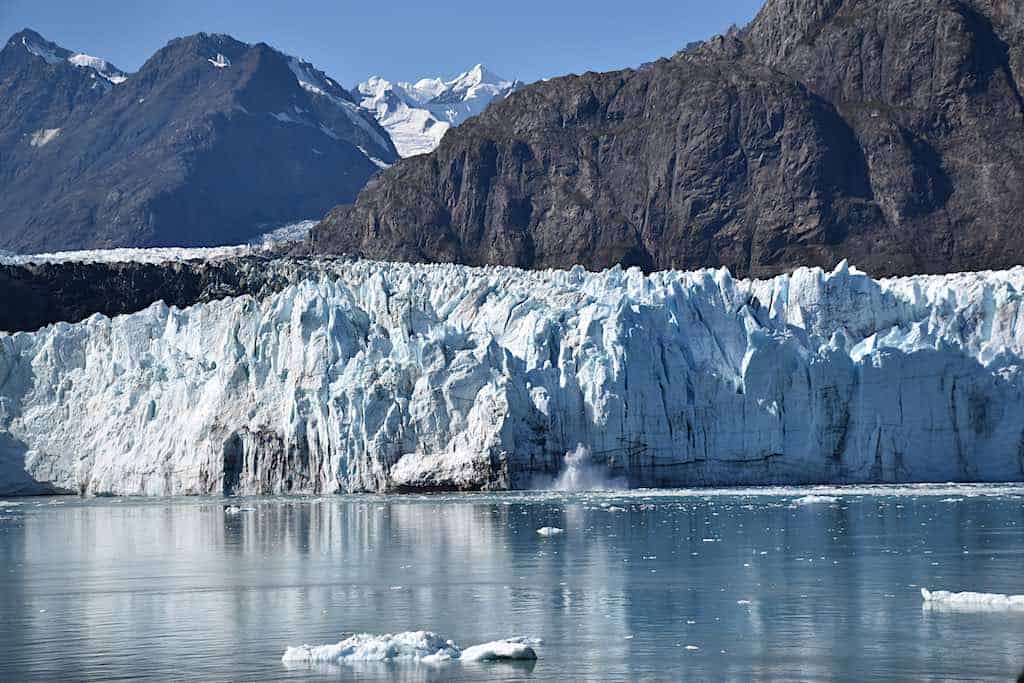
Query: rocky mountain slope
x=417 y=115
x=393 y=377
x=890 y=132
x=208 y=143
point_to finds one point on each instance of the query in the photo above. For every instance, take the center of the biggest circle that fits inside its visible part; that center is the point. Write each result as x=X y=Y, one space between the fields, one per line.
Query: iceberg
x=369 y=376
x=412 y=646
x=971 y=602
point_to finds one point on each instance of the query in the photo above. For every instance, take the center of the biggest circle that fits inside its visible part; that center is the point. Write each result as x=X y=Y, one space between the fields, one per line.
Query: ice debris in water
x=971 y=602
x=550 y=531
x=411 y=646
x=815 y=500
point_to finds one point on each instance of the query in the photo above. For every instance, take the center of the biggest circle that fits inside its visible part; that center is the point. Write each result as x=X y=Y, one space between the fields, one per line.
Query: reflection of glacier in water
x=782 y=593
x=581 y=473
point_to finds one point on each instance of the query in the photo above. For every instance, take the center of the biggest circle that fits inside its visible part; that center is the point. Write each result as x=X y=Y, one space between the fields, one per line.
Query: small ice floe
x=550 y=531
x=8 y=503
x=815 y=500
x=971 y=602
x=422 y=647
x=615 y=508
x=743 y=602
x=236 y=510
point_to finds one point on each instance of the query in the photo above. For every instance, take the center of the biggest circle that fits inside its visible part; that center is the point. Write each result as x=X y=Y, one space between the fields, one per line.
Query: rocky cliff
x=888 y=132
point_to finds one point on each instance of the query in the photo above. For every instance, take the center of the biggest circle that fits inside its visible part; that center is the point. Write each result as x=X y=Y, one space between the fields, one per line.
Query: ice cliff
x=372 y=377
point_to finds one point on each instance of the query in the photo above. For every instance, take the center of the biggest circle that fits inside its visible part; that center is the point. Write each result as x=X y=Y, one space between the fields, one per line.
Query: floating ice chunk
x=411 y=646
x=815 y=500
x=498 y=651
x=550 y=531
x=236 y=510
x=366 y=647
x=971 y=602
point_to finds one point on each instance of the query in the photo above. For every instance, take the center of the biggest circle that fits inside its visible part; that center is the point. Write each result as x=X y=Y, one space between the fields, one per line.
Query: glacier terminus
x=393 y=377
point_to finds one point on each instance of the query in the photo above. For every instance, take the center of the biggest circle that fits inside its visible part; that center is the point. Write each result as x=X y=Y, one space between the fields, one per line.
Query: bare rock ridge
x=887 y=132
x=40 y=294
x=210 y=141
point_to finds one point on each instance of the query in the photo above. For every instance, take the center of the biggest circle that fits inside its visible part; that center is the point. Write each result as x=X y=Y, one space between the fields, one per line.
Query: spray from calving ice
x=581 y=473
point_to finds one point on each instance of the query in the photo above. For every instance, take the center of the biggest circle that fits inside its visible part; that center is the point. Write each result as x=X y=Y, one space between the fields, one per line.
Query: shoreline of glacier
x=396 y=377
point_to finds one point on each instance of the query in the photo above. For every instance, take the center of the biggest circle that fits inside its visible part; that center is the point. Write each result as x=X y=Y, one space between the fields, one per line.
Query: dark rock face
x=36 y=295
x=209 y=141
x=887 y=132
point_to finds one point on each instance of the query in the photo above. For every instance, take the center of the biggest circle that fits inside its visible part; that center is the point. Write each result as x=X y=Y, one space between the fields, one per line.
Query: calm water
x=172 y=589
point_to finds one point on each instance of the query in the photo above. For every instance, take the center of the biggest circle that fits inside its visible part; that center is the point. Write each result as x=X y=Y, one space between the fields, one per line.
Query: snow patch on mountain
x=417 y=115
x=100 y=66
x=220 y=61
x=43 y=137
x=378 y=376
x=319 y=85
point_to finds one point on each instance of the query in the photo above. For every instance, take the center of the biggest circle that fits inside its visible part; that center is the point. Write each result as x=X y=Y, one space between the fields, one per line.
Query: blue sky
x=398 y=39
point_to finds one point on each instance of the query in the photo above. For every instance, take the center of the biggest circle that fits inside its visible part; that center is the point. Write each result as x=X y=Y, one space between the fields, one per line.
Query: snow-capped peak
x=100 y=66
x=41 y=48
x=52 y=54
x=417 y=115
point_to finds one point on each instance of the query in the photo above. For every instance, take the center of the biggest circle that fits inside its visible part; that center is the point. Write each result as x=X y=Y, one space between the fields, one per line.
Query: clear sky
x=398 y=39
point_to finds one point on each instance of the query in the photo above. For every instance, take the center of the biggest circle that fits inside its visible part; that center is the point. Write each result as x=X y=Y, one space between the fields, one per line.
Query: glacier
x=417 y=115
x=377 y=377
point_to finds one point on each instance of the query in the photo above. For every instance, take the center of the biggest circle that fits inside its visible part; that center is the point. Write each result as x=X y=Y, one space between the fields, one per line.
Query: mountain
x=209 y=142
x=889 y=132
x=394 y=377
x=417 y=115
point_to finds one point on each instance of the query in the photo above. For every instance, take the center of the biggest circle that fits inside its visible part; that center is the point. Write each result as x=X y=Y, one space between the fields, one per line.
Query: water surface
x=691 y=585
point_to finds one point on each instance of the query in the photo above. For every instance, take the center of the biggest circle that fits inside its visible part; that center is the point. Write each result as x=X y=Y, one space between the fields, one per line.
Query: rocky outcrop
x=211 y=141
x=887 y=132
x=40 y=294
x=385 y=377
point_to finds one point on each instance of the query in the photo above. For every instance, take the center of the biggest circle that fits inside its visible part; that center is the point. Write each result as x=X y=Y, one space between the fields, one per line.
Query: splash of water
x=581 y=473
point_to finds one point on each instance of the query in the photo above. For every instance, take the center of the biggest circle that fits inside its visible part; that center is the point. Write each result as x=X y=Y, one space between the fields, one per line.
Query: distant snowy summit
x=417 y=115
x=101 y=70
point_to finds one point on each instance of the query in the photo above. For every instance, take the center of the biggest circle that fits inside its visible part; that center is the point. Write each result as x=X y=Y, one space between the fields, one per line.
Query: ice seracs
x=417 y=115
x=394 y=377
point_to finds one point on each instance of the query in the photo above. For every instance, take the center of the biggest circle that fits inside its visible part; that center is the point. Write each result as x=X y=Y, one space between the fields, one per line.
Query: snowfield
x=417 y=115
x=286 y=234
x=382 y=377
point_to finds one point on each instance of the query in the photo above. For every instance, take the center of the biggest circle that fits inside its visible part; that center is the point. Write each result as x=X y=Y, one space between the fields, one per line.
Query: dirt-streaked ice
x=380 y=376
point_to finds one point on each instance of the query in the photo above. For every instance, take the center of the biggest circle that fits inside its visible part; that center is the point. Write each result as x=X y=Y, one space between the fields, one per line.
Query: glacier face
x=375 y=377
